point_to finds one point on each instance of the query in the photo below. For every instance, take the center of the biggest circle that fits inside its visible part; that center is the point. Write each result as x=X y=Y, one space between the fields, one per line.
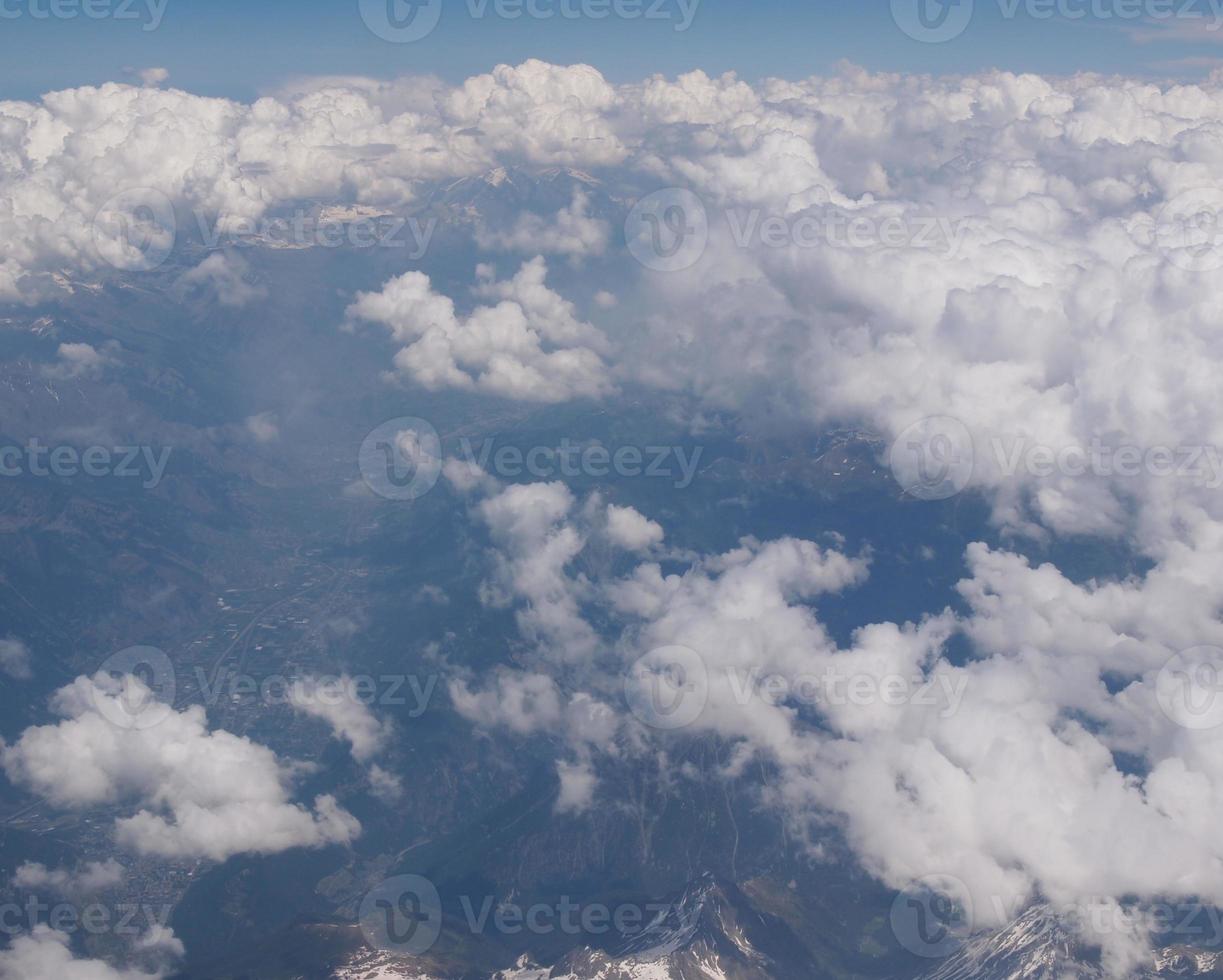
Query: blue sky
x=239 y=49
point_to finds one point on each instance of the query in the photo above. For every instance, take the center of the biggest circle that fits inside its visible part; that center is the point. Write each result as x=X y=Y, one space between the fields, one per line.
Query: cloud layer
x=197 y=793
x=1032 y=261
x=1003 y=772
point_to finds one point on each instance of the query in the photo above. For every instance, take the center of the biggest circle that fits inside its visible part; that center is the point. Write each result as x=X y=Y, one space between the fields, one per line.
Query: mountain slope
x=1039 y=945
